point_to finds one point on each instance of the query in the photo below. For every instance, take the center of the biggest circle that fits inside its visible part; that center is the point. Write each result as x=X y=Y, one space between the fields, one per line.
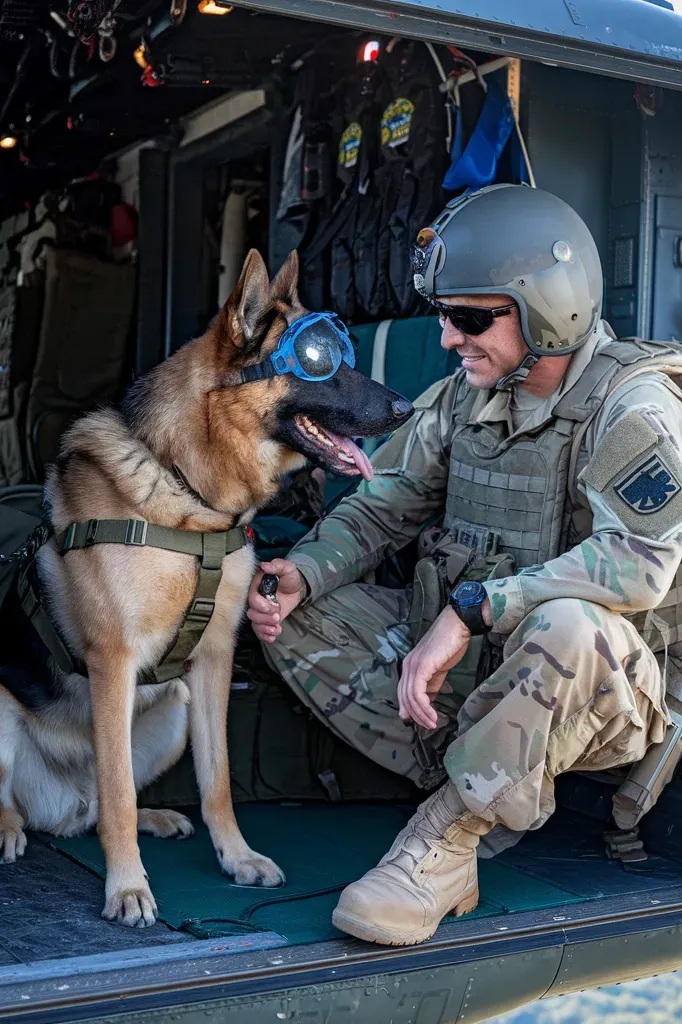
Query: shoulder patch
x=396 y=123
x=349 y=146
x=649 y=486
x=637 y=470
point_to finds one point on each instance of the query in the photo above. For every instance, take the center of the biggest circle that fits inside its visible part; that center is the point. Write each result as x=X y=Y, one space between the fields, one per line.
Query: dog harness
x=209 y=548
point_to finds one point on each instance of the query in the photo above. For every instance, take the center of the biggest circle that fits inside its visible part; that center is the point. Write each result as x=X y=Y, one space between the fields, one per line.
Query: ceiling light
x=8 y=141
x=213 y=7
x=370 y=51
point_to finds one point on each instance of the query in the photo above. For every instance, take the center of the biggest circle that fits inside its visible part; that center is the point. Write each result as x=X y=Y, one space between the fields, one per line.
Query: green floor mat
x=321 y=848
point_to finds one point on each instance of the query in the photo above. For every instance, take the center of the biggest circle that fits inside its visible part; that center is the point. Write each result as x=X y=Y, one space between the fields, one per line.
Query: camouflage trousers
x=577 y=688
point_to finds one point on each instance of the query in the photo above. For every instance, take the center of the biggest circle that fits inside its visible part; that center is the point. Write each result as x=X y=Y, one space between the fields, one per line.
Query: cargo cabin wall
x=661 y=222
x=584 y=136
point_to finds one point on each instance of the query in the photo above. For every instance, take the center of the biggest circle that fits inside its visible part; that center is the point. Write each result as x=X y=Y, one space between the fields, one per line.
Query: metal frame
x=559 y=34
x=645 y=278
x=530 y=955
x=185 y=214
x=661 y=177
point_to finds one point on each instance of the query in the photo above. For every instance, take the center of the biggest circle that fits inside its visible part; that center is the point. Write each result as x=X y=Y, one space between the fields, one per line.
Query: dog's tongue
x=363 y=464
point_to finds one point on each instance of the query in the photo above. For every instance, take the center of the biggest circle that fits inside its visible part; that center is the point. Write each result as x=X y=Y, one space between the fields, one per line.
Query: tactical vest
x=519 y=494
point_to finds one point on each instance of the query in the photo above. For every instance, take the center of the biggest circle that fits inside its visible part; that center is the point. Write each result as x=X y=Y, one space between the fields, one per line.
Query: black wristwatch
x=467 y=600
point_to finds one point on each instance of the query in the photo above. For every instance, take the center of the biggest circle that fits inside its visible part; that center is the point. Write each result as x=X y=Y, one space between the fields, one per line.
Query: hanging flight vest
x=391 y=157
x=345 y=236
x=413 y=148
x=518 y=495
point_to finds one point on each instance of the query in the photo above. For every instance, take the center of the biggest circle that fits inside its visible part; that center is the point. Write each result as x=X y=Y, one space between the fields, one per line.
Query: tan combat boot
x=429 y=871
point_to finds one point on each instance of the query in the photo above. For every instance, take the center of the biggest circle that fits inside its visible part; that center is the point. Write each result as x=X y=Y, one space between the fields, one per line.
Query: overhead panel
x=635 y=39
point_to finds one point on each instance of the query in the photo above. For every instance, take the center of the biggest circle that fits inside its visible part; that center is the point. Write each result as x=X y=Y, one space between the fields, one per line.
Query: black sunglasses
x=472 y=320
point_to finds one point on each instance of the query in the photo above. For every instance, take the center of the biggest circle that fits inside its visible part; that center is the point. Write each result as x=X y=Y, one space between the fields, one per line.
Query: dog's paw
x=134 y=907
x=251 y=869
x=12 y=835
x=164 y=824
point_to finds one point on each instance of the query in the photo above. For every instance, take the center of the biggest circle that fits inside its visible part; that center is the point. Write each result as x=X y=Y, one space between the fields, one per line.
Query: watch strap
x=470 y=612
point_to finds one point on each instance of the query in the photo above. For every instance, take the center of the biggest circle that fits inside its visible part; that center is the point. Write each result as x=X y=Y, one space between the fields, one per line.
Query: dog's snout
x=401 y=408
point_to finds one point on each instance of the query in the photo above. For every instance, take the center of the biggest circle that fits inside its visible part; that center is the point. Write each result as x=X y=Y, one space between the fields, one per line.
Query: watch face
x=468 y=594
x=466 y=600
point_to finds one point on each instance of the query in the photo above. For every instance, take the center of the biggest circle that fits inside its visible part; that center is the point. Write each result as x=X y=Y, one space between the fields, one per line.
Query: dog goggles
x=472 y=320
x=312 y=348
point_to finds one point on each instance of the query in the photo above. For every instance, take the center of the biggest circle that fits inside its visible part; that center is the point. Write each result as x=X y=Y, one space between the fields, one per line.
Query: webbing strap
x=261 y=371
x=27 y=592
x=210 y=571
x=140 y=533
x=214 y=547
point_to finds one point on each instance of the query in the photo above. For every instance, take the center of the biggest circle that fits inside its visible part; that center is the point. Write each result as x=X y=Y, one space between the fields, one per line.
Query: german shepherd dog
x=79 y=756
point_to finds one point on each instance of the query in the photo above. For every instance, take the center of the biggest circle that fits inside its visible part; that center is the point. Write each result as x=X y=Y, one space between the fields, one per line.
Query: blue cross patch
x=649 y=487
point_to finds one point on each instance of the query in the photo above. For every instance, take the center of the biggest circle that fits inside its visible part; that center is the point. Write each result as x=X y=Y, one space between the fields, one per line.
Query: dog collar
x=182 y=479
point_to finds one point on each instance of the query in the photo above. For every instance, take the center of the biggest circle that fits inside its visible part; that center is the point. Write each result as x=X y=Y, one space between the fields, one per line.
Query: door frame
x=602 y=36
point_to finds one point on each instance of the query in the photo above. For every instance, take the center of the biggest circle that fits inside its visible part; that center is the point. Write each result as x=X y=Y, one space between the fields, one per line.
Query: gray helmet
x=518 y=241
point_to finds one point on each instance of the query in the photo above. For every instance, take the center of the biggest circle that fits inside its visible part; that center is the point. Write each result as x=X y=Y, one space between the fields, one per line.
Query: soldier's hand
x=266 y=617
x=426 y=666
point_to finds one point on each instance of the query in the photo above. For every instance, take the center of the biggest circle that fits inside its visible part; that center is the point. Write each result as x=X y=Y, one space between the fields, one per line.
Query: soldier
x=560 y=446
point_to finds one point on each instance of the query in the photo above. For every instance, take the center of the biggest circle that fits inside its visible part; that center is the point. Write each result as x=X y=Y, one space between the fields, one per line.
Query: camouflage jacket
x=627 y=563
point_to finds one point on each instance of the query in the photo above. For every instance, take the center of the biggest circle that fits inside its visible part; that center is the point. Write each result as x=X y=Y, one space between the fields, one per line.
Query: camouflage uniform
x=578 y=686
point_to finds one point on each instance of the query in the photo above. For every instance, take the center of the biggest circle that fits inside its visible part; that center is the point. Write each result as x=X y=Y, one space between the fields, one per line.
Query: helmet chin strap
x=518 y=375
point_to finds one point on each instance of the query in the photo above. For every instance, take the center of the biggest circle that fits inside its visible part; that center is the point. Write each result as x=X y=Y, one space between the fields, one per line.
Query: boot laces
x=437 y=817
x=428 y=826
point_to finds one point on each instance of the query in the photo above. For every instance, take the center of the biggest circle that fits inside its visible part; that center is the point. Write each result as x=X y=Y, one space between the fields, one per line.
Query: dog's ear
x=249 y=303
x=285 y=286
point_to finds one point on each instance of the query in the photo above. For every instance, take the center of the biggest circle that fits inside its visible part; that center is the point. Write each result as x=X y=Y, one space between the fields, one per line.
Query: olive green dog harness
x=209 y=548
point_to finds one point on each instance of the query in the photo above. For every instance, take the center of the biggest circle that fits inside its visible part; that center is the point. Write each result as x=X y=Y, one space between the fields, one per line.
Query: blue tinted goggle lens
x=314 y=347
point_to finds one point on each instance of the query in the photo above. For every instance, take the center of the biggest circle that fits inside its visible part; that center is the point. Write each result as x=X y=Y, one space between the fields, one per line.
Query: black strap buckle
x=69 y=538
x=201 y=610
x=136 y=532
x=29 y=601
x=90 y=533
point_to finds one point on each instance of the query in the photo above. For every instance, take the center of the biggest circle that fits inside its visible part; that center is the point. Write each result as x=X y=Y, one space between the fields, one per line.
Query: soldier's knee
x=306 y=631
x=293 y=631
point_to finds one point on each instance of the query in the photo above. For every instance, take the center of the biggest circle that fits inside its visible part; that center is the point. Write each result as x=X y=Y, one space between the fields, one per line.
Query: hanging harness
x=210 y=548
